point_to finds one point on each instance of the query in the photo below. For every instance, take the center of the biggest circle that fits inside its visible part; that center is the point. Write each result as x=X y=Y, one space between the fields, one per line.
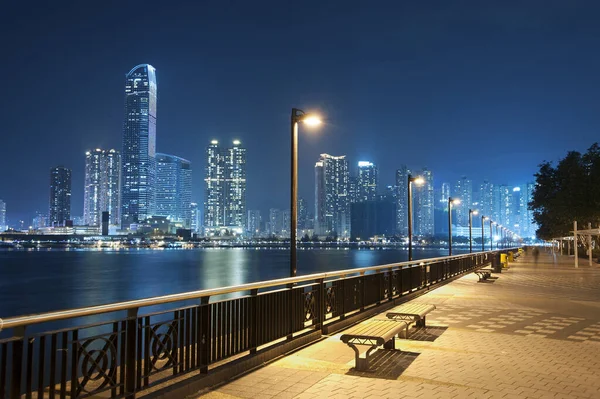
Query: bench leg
x=360 y=363
x=420 y=323
x=389 y=344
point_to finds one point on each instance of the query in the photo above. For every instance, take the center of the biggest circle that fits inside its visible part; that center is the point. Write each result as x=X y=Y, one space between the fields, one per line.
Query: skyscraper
x=463 y=190
x=367 y=181
x=424 y=205
x=276 y=226
x=235 y=187
x=195 y=225
x=102 y=186
x=174 y=189
x=2 y=216
x=332 y=213
x=486 y=203
x=225 y=188
x=139 y=146
x=504 y=206
x=402 y=200
x=302 y=214
x=254 y=220
x=60 y=195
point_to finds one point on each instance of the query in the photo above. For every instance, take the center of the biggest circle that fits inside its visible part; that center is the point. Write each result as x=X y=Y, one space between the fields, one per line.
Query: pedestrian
x=535 y=253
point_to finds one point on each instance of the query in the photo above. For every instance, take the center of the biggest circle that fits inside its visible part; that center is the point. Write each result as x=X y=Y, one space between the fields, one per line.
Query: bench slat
x=412 y=309
x=376 y=330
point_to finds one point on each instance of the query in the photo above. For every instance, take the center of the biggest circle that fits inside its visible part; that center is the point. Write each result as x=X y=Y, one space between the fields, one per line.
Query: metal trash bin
x=511 y=256
x=503 y=260
x=496 y=264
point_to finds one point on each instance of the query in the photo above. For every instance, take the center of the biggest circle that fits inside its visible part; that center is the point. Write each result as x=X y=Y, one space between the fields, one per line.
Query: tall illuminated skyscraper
x=332 y=212
x=2 y=216
x=194 y=212
x=174 y=189
x=402 y=200
x=60 y=196
x=235 y=187
x=254 y=220
x=139 y=146
x=225 y=188
x=367 y=181
x=487 y=201
x=424 y=205
x=102 y=187
x=463 y=190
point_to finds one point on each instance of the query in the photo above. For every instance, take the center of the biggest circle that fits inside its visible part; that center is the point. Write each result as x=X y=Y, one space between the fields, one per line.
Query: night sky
x=487 y=89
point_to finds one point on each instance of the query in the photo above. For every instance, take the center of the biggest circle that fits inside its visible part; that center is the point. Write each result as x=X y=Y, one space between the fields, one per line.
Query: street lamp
x=418 y=181
x=471 y=213
x=451 y=201
x=311 y=120
x=483 y=219
x=491 y=236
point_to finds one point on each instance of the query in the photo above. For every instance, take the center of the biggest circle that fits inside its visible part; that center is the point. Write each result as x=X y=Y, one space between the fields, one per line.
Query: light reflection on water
x=40 y=281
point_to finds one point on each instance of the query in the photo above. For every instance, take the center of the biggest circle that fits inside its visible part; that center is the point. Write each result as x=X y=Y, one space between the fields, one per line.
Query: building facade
x=102 y=187
x=60 y=196
x=463 y=190
x=402 y=200
x=2 y=216
x=332 y=213
x=366 y=181
x=225 y=188
x=174 y=189
x=139 y=146
x=424 y=205
x=195 y=215
x=254 y=220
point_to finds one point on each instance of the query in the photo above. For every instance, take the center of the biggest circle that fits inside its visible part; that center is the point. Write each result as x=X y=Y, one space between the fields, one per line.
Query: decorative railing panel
x=137 y=351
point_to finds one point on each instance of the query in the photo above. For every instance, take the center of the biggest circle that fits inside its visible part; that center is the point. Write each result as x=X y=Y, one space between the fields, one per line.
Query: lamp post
x=311 y=120
x=491 y=236
x=471 y=213
x=483 y=219
x=451 y=201
x=418 y=181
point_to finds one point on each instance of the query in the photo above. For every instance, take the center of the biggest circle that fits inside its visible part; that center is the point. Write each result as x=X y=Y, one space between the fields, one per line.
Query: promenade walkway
x=532 y=333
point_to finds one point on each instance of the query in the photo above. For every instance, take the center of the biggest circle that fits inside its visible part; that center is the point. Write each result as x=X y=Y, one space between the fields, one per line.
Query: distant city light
x=364 y=163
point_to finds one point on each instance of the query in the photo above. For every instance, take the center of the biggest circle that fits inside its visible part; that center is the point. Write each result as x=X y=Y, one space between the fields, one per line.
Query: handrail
x=20 y=321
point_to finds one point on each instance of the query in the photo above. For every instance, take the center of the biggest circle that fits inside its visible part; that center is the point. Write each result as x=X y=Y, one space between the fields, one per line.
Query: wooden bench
x=411 y=312
x=372 y=333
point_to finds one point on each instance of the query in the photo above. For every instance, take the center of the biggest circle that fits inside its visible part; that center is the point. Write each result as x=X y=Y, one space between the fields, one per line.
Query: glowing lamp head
x=214 y=142
x=312 y=120
x=419 y=181
x=475 y=212
x=236 y=142
x=454 y=201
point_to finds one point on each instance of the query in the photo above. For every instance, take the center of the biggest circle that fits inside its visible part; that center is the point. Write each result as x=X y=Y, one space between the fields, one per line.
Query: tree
x=570 y=191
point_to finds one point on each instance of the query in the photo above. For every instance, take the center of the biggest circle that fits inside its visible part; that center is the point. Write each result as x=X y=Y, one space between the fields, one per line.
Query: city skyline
x=466 y=97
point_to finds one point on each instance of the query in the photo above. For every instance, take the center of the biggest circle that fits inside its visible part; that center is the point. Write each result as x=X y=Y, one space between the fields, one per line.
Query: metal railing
x=132 y=354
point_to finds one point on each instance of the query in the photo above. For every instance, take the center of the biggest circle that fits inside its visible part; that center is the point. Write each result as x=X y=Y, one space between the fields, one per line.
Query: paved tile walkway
x=532 y=333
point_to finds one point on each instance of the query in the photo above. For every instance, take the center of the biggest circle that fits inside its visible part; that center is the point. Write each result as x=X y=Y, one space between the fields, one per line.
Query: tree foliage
x=566 y=192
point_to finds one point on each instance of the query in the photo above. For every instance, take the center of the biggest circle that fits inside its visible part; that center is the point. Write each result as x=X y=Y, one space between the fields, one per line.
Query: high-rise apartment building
x=254 y=220
x=225 y=188
x=504 y=206
x=195 y=215
x=174 y=189
x=276 y=222
x=402 y=200
x=139 y=146
x=102 y=187
x=60 y=196
x=302 y=214
x=424 y=205
x=486 y=199
x=332 y=213
x=529 y=227
x=366 y=181
x=463 y=190
x=2 y=216
x=442 y=201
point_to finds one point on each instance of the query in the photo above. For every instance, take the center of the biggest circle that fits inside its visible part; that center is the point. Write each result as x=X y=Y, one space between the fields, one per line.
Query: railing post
x=130 y=353
x=253 y=339
x=17 y=363
x=390 y=284
x=321 y=307
x=203 y=354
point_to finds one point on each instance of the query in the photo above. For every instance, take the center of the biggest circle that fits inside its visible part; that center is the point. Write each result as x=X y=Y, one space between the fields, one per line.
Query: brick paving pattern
x=532 y=333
